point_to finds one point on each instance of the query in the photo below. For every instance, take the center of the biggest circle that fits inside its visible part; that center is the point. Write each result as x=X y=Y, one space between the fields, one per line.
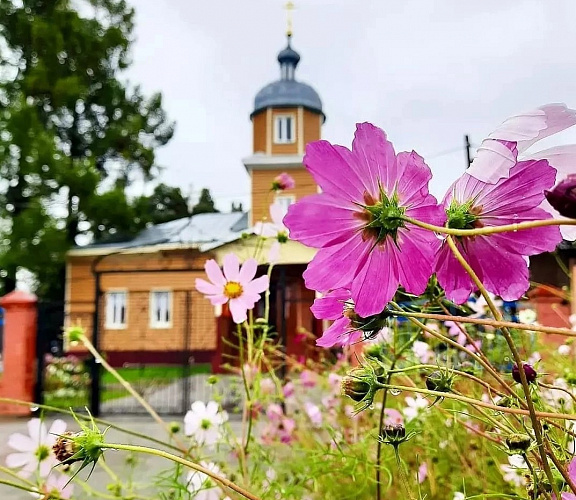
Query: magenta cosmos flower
x=236 y=285
x=358 y=224
x=347 y=327
x=497 y=259
x=500 y=151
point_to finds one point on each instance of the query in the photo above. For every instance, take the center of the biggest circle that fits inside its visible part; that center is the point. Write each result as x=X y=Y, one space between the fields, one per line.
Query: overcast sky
x=425 y=71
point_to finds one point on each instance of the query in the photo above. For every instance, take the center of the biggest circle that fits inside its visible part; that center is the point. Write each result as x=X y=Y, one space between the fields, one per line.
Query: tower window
x=284 y=132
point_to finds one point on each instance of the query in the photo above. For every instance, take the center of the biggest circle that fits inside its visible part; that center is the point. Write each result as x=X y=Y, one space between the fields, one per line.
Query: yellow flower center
x=233 y=289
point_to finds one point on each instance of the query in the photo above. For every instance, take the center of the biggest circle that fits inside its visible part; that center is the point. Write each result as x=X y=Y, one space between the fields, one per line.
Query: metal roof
x=202 y=231
x=287 y=93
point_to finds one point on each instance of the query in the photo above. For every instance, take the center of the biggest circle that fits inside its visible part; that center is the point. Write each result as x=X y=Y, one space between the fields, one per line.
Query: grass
x=138 y=376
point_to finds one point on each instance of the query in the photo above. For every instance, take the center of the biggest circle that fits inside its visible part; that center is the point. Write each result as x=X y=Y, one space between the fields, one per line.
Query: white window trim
x=158 y=325
x=116 y=326
x=277 y=139
x=290 y=197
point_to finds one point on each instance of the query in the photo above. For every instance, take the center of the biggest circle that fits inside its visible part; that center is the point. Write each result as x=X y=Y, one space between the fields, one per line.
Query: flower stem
x=380 y=428
x=519 y=363
x=129 y=388
x=507 y=228
x=488 y=322
x=31 y=489
x=403 y=476
x=181 y=461
x=477 y=402
x=89 y=418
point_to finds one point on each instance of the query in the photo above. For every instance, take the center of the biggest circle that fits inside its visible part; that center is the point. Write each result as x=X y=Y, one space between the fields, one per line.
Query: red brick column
x=19 y=351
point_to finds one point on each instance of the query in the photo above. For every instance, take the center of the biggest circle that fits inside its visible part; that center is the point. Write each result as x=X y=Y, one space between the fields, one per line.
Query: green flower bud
x=174 y=427
x=361 y=385
x=74 y=334
x=440 y=380
x=518 y=443
x=355 y=388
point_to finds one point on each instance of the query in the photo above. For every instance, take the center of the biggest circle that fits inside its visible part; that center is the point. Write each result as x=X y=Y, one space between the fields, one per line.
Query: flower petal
x=335 y=334
x=322 y=220
x=214 y=272
x=259 y=285
x=37 y=430
x=231 y=267
x=376 y=282
x=21 y=442
x=331 y=305
x=207 y=288
x=238 y=310
x=336 y=266
x=452 y=276
x=212 y=408
x=376 y=158
x=277 y=213
x=493 y=160
x=16 y=460
x=247 y=271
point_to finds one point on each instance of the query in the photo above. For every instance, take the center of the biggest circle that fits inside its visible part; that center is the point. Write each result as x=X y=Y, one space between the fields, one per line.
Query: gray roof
x=287 y=93
x=206 y=231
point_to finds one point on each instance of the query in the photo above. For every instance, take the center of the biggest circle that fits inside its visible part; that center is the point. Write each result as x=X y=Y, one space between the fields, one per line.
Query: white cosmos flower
x=56 y=486
x=414 y=406
x=564 y=350
x=202 y=486
x=459 y=496
x=515 y=473
x=34 y=452
x=275 y=229
x=204 y=422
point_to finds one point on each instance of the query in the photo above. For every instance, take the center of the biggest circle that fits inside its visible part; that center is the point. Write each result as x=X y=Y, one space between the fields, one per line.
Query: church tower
x=287 y=115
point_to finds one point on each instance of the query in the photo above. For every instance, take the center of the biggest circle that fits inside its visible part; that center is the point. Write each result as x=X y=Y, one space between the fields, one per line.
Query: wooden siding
x=179 y=269
x=259 y=131
x=262 y=198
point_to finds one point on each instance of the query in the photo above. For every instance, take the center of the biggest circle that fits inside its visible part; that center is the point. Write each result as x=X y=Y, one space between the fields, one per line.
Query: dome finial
x=289 y=8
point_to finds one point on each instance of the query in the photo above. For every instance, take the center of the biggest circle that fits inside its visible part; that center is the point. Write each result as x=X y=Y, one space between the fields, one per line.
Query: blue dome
x=287 y=93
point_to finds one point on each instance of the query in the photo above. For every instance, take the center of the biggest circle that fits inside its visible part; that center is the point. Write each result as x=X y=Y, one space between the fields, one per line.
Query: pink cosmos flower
x=357 y=222
x=236 y=285
x=308 y=378
x=499 y=152
x=282 y=182
x=56 y=486
x=275 y=229
x=422 y=351
x=393 y=417
x=497 y=259
x=314 y=413
x=422 y=473
x=288 y=389
x=455 y=331
x=34 y=452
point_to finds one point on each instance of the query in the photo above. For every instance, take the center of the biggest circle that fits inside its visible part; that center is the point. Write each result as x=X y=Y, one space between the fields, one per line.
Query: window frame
x=277 y=119
x=111 y=325
x=290 y=197
x=153 y=323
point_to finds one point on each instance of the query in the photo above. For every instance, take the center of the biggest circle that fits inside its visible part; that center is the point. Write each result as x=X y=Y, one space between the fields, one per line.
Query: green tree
x=205 y=203
x=73 y=135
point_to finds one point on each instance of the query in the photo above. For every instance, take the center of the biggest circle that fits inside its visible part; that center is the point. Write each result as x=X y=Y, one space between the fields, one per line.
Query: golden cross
x=289 y=8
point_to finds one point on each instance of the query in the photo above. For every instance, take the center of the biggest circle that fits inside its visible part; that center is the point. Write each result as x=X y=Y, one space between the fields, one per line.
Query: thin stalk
x=151 y=411
x=508 y=228
x=20 y=486
x=477 y=402
x=182 y=461
x=519 y=363
x=488 y=322
x=380 y=428
x=532 y=471
x=403 y=475
x=89 y=418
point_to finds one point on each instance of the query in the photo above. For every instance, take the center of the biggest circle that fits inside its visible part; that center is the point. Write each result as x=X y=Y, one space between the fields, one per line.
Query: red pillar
x=19 y=351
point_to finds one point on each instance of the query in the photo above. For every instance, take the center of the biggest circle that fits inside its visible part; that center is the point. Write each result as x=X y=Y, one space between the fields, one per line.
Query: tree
x=205 y=203
x=72 y=134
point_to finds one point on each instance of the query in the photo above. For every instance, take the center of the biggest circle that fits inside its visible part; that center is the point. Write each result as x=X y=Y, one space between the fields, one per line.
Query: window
x=116 y=309
x=284 y=129
x=160 y=309
x=285 y=201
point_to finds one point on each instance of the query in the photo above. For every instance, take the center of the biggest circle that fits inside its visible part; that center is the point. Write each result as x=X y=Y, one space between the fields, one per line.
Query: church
x=137 y=298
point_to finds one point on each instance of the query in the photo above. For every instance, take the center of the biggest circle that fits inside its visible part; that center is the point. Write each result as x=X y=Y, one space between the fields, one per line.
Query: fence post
x=19 y=351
